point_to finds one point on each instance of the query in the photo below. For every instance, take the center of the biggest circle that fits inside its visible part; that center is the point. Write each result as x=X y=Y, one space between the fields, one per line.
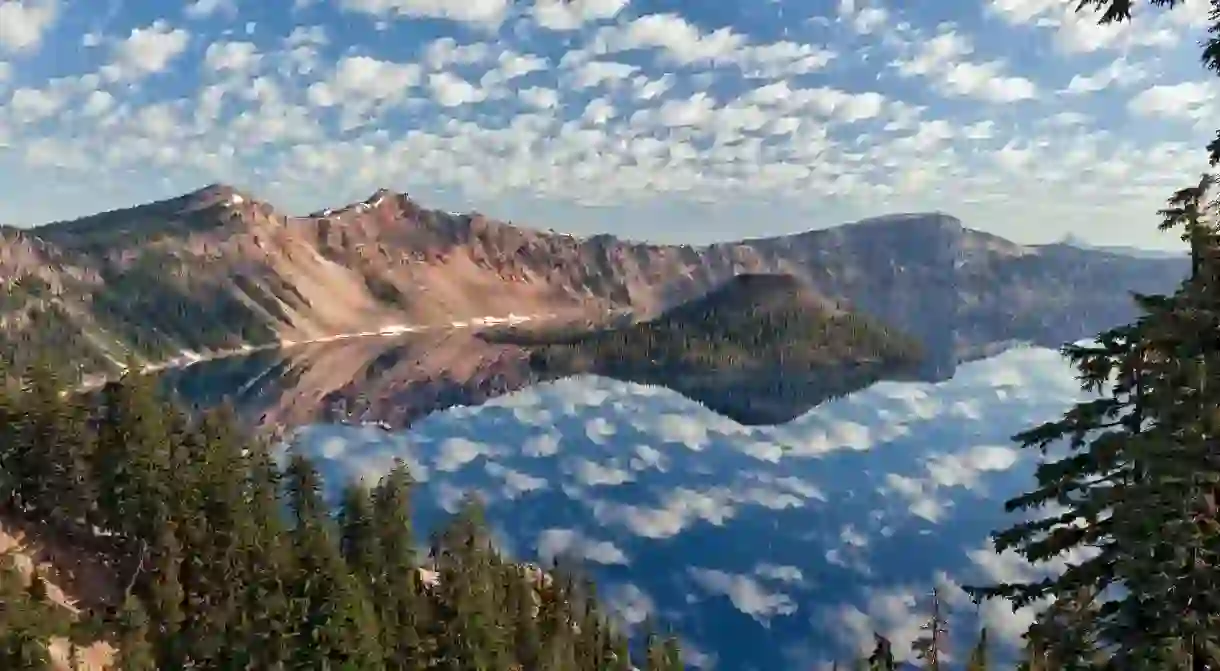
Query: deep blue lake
x=764 y=547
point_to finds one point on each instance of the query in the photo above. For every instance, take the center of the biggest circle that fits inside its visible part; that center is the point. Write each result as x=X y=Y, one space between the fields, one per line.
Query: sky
x=667 y=120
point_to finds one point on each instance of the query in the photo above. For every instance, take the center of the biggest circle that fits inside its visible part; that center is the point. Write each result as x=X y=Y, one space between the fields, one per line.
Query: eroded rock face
x=241 y=272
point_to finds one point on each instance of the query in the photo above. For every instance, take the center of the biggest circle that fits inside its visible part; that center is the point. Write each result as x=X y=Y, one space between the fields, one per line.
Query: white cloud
x=479 y=12
x=593 y=474
x=455 y=453
x=680 y=41
x=597 y=73
x=746 y=594
x=863 y=20
x=681 y=508
x=235 y=56
x=146 y=51
x=1120 y=73
x=359 y=81
x=201 y=9
x=516 y=483
x=943 y=59
x=596 y=103
x=450 y=90
x=1186 y=100
x=541 y=98
x=572 y=14
x=553 y=543
x=1080 y=32
x=31 y=105
x=632 y=604
x=446 y=52
x=23 y=23
x=541 y=445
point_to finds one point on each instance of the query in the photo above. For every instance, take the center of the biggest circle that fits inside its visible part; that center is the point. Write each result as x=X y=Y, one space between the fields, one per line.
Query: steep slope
x=218 y=269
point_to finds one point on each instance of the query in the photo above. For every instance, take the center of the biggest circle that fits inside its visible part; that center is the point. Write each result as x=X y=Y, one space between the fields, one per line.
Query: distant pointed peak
x=213 y=189
x=216 y=194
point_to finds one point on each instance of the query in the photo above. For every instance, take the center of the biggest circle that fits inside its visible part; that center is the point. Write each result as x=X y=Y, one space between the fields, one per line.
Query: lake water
x=764 y=547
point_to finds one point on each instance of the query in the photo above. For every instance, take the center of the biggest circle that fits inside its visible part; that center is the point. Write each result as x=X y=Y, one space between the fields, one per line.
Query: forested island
x=749 y=325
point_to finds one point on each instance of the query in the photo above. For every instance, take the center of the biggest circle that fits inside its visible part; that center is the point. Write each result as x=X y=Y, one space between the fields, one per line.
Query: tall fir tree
x=882 y=656
x=1140 y=480
x=400 y=602
x=332 y=614
x=135 y=652
x=928 y=646
x=978 y=655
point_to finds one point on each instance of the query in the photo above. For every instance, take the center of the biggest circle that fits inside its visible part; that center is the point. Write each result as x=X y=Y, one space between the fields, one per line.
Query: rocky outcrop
x=218 y=268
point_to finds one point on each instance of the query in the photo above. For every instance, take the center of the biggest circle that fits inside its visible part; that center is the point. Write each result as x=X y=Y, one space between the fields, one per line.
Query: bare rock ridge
x=217 y=268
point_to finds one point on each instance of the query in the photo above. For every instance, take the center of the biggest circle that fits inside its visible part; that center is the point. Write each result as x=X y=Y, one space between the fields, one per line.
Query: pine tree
x=522 y=604
x=928 y=646
x=673 y=654
x=161 y=589
x=471 y=637
x=978 y=656
x=400 y=602
x=134 y=651
x=359 y=542
x=1140 y=481
x=21 y=648
x=265 y=617
x=334 y=617
x=882 y=657
x=1137 y=485
x=216 y=577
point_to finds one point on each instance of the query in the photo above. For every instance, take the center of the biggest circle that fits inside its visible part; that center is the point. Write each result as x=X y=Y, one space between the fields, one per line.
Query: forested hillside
x=220 y=559
x=752 y=323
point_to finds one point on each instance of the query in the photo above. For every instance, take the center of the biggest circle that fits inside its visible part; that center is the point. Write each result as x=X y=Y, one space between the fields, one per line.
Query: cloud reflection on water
x=765 y=547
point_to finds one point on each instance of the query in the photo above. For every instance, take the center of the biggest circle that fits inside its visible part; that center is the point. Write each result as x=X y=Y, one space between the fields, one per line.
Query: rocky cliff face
x=218 y=269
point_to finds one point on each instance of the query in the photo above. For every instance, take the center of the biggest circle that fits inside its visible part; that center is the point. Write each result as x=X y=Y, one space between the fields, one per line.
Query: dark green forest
x=224 y=560
x=223 y=557
x=752 y=323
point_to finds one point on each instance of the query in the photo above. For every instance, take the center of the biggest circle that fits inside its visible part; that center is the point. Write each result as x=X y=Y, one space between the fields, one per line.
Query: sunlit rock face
x=766 y=547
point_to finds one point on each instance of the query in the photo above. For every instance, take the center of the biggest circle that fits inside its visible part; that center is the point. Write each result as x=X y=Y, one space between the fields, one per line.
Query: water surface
x=765 y=547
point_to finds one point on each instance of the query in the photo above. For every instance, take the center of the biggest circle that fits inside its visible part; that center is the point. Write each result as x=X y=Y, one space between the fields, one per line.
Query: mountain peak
x=380 y=194
x=751 y=292
x=214 y=194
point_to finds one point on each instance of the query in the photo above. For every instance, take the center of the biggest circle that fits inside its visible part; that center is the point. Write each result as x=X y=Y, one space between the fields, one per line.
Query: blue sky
x=672 y=120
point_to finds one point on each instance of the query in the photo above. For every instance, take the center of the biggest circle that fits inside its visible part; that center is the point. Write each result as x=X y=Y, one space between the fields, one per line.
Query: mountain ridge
x=218 y=268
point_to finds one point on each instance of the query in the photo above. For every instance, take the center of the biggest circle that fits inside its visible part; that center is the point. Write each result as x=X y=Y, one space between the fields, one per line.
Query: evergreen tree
x=882 y=657
x=401 y=606
x=264 y=618
x=1137 y=485
x=218 y=576
x=927 y=647
x=335 y=621
x=358 y=536
x=1141 y=478
x=135 y=653
x=673 y=654
x=978 y=656
x=21 y=648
